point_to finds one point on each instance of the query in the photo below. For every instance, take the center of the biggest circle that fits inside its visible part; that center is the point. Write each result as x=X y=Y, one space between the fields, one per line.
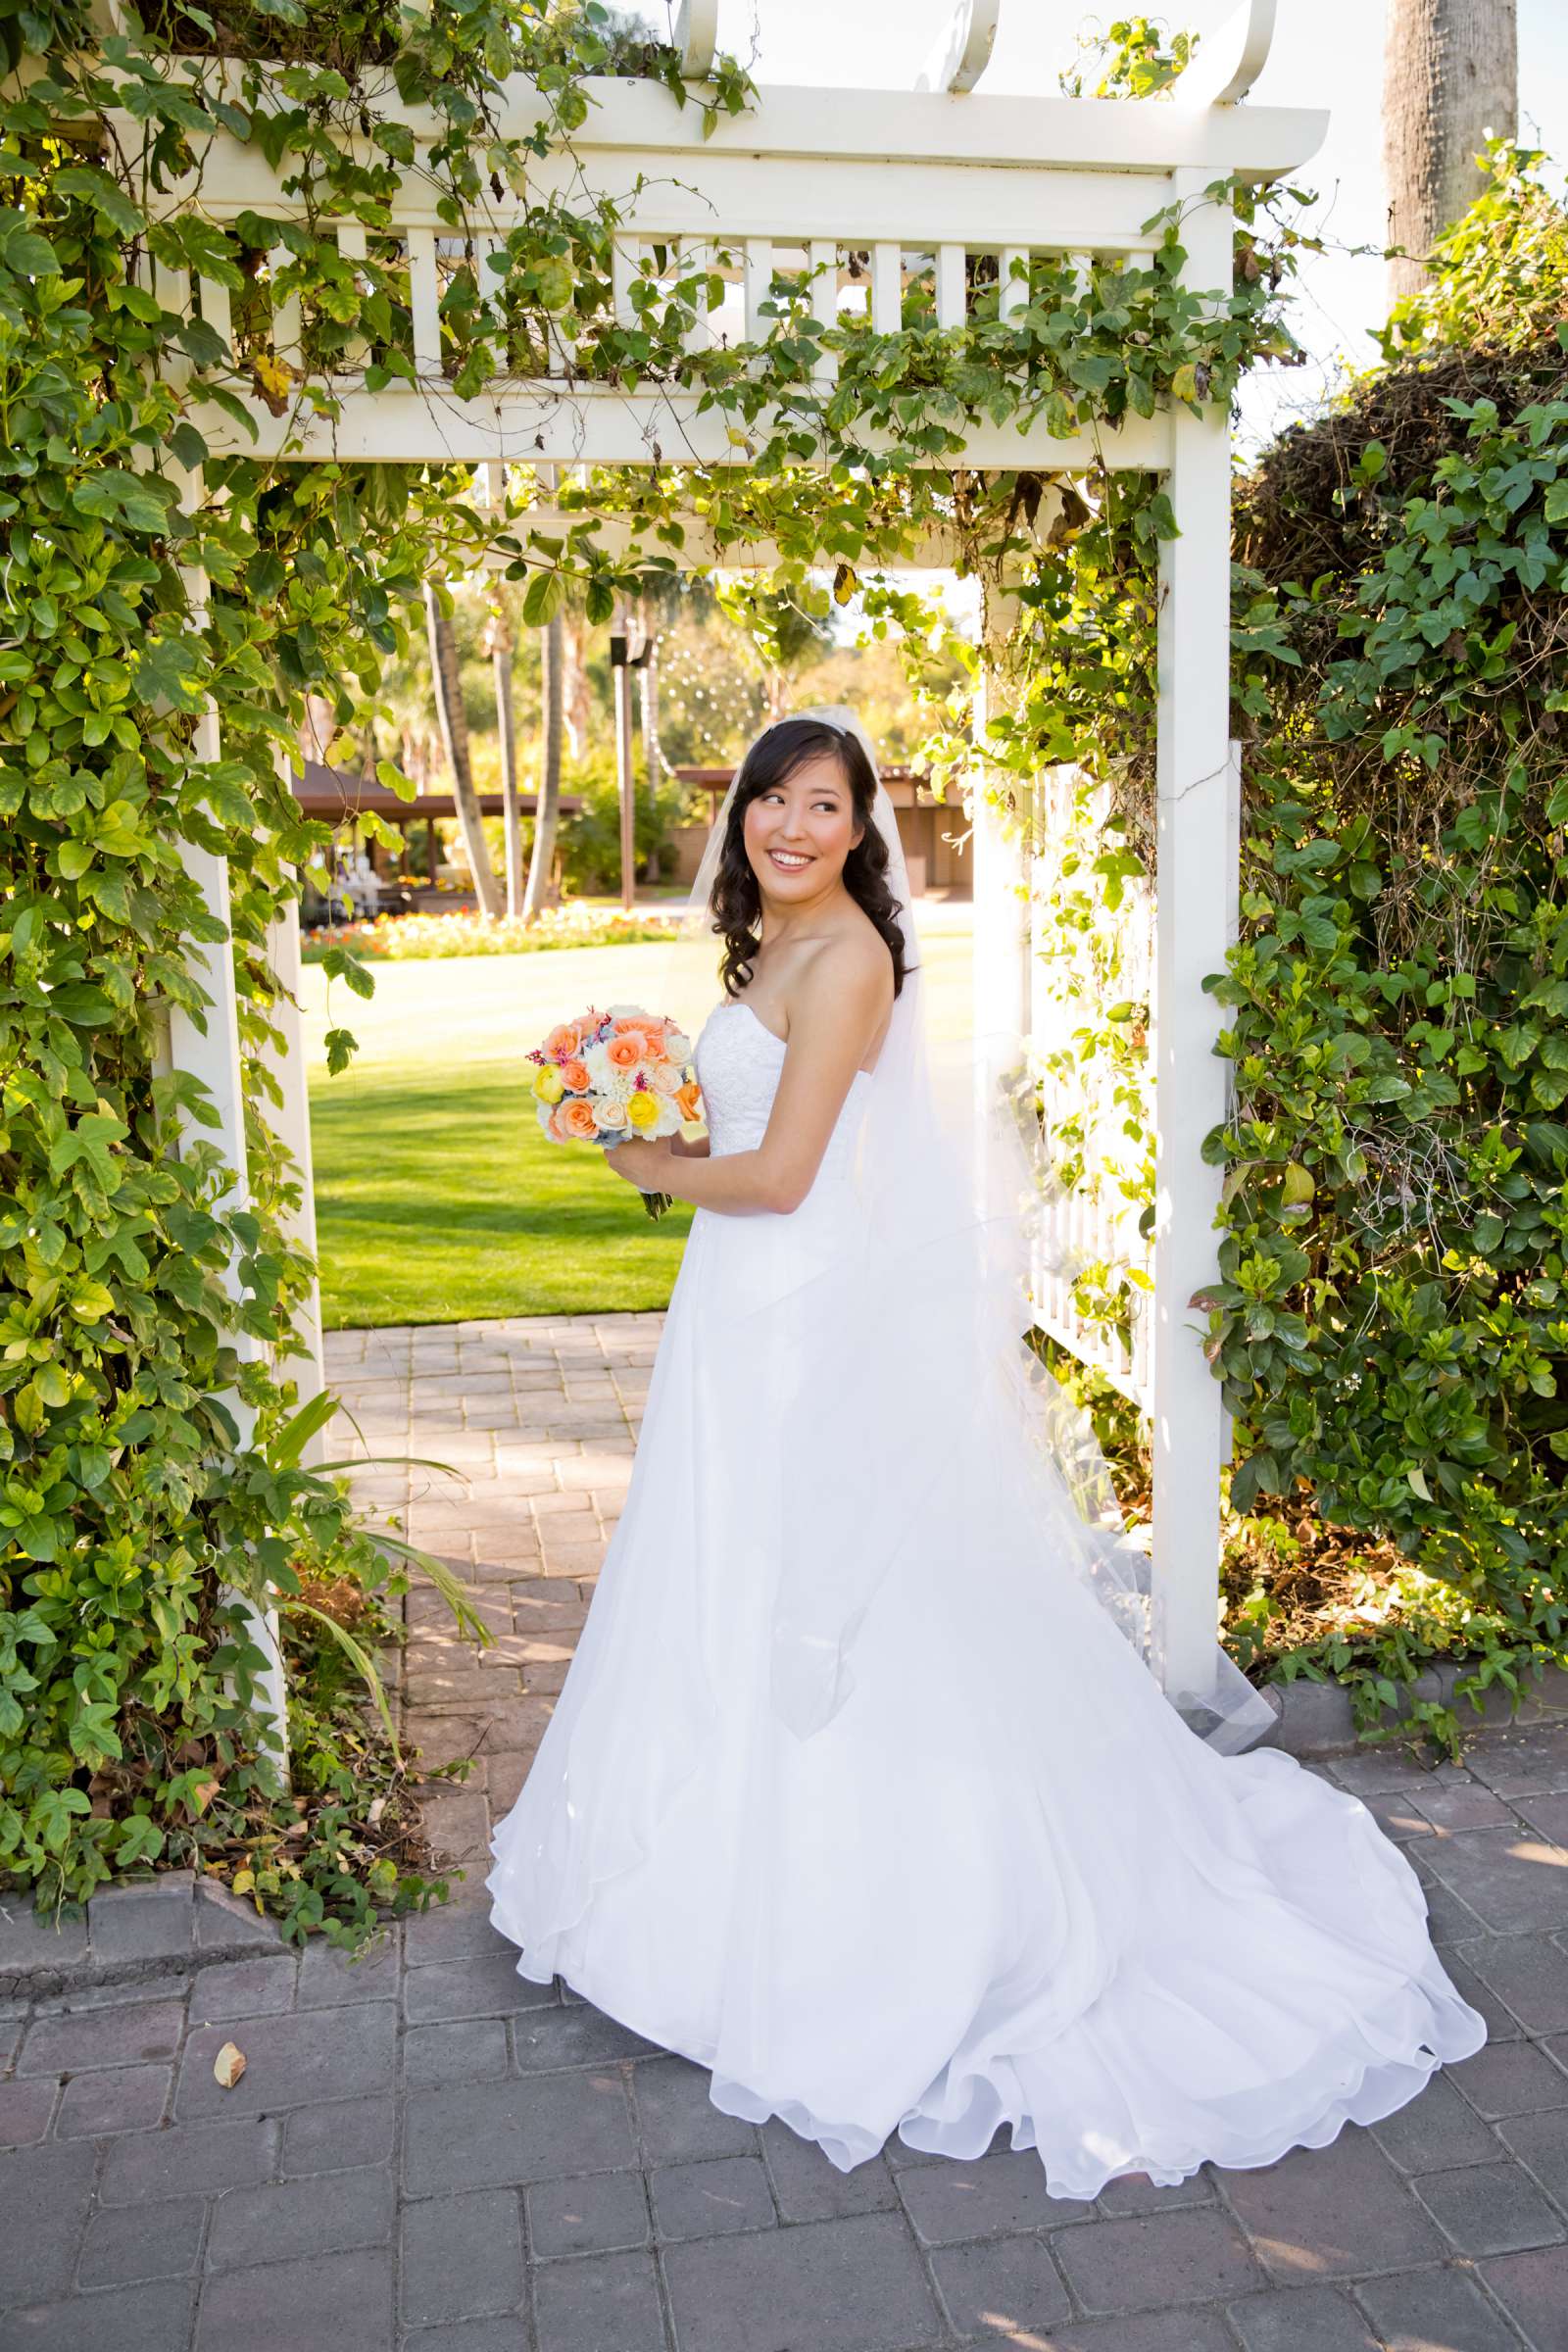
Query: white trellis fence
x=873 y=192
x=1091 y=1228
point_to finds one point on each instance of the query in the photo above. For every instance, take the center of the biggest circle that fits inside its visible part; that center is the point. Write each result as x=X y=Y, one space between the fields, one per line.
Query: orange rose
x=572 y=1121
x=625 y=1051
x=640 y=1024
x=689 y=1100
x=574 y=1076
x=564 y=1040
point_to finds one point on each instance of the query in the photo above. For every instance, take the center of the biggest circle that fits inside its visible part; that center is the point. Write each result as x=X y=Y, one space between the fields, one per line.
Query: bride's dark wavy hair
x=736 y=902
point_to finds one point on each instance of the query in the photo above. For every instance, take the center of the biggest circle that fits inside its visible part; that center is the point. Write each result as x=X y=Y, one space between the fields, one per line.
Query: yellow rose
x=549 y=1085
x=643 y=1111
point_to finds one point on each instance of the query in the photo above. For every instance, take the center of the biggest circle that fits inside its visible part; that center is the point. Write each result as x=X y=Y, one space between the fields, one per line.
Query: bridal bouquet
x=608 y=1075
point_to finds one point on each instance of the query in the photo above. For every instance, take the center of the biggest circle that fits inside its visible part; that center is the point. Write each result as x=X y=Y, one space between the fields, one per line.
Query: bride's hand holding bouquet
x=622 y=1079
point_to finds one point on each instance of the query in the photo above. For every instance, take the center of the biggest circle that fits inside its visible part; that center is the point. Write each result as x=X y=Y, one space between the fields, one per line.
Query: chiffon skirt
x=1005 y=1884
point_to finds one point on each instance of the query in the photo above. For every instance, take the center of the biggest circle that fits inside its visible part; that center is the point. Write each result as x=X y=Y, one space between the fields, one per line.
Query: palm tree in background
x=499 y=645
x=454 y=722
x=1451 y=77
x=576 y=694
x=548 y=812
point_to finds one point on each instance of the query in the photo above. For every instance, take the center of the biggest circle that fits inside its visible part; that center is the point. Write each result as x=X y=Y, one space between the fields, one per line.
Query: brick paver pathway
x=428 y=2154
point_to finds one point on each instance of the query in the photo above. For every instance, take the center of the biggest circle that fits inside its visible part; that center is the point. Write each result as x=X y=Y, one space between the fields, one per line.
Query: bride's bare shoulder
x=853 y=961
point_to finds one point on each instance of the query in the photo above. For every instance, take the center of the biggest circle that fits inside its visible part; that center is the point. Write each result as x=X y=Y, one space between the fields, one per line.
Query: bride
x=861 y=1791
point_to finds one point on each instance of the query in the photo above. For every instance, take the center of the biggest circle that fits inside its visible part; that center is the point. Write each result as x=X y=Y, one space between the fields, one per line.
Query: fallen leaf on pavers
x=228 y=2065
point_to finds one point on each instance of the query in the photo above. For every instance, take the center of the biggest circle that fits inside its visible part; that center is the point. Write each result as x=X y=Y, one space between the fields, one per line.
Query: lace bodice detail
x=738 y=1060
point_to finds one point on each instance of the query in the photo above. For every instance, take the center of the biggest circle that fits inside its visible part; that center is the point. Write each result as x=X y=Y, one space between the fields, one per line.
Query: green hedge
x=1392 y=1326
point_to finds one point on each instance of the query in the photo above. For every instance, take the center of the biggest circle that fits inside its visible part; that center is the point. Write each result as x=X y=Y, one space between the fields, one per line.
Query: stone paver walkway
x=428 y=2154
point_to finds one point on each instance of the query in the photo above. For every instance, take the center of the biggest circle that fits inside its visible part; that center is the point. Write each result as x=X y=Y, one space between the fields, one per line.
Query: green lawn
x=437 y=1198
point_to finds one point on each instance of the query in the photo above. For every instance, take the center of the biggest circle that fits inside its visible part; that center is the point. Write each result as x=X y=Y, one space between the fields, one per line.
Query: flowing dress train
x=1006 y=1884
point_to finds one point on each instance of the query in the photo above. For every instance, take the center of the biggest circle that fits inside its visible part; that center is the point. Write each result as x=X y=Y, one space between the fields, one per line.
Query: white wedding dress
x=1004 y=1882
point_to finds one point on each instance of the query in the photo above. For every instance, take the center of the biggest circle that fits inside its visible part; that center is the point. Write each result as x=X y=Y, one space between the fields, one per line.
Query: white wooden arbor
x=917 y=181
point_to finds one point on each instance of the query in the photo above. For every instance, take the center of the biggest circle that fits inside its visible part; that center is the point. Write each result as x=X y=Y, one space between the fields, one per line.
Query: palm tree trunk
x=1451 y=77
x=501 y=651
x=540 y=866
x=455 y=737
x=577 y=699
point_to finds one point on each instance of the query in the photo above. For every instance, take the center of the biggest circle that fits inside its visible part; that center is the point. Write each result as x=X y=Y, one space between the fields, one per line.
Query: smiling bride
x=861 y=1792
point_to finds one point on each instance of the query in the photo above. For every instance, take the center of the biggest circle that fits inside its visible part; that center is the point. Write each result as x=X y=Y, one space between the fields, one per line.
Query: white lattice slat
x=425 y=301
x=951 y=285
x=623 y=261
x=353 y=247
x=487 y=244
x=285 y=312
x=530 y=417
x=759 y=283
x=887 y=288
x=697 y=261
x=793 y=200
x=172 y=288
x=217 y=310
x=822 y=259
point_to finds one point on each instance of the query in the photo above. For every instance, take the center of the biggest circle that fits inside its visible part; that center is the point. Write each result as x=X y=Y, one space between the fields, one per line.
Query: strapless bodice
x=738 y=1060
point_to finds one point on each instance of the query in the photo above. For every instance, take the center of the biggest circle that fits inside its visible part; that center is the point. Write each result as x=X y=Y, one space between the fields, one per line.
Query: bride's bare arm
x=835 y=1010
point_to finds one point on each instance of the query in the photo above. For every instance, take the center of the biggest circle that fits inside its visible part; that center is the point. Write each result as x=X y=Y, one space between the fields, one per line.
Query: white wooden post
x=1196 y=864
x=290 y=1122
x=1001 y=957
x=212 y=1055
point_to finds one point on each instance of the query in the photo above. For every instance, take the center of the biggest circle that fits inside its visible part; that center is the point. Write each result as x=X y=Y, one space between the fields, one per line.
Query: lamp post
x=623 y=662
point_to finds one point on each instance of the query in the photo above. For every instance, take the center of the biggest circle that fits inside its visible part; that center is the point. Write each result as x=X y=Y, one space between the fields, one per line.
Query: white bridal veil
x=904 y=1406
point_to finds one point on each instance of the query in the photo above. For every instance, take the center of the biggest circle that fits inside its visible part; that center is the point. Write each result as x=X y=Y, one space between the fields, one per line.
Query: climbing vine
x=151 y=1443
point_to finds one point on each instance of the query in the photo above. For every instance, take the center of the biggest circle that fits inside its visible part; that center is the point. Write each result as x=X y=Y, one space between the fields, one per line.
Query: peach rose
x=624 y=1053
x=574 y=1076
x=572 y=1121
x=689 y=1100
x=564 y=1040
x=665 y=1078
x=642 y=1024
x=611 y=1115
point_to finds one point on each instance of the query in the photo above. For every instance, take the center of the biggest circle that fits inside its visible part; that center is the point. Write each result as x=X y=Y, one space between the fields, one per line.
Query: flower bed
x=418 y=938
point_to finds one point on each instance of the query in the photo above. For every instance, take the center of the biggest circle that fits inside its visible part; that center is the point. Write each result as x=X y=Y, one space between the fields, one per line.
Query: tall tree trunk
x=1451 y=77
x=577 y=702
x=551 y=680
x=455 y=737
x=501 y=651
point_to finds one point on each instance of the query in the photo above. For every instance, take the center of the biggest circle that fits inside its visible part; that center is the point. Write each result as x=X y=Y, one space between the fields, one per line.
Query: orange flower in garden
x=572 y=1121
x=625 y=1051
x=574 y=1076
x=564 y=1040
x=689 y=1100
